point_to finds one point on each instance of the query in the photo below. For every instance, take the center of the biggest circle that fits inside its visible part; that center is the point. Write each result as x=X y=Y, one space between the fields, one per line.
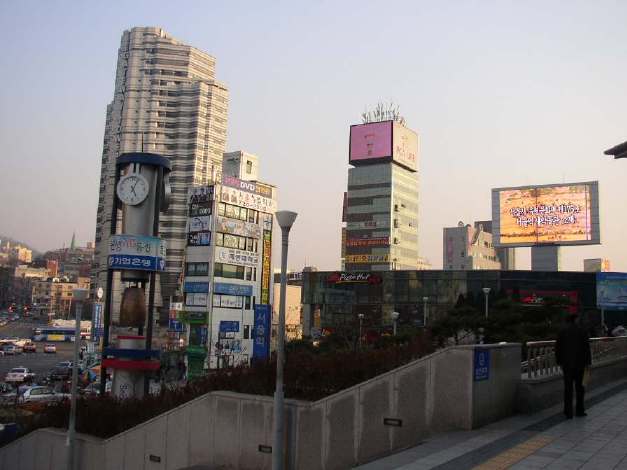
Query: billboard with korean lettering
x=261 y=331
x=378 y=142
x=554 y=214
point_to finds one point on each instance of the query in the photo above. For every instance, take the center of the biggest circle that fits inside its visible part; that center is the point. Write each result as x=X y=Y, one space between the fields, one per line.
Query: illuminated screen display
x=557 y=214
x=370 y=141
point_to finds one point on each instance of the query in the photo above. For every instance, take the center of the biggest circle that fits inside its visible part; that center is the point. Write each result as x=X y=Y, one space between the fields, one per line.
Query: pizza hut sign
x=354 y=278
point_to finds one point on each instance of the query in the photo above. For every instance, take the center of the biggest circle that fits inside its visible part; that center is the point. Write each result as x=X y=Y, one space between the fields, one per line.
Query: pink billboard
x=373 y=140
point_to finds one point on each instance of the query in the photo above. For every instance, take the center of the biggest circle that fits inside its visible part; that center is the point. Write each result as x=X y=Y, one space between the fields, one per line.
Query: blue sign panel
x=137 y=252
x=232 y=289
x=612 y=291
x=229 y=326
x=482 y=364
x=261 y=331
x=176 y=326
x=197 y=287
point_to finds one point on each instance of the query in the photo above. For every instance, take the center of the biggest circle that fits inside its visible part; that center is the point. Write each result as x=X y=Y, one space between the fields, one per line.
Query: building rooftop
x=619 y=151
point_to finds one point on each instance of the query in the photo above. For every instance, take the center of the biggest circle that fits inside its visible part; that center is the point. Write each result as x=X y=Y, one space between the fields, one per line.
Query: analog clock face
x=132 y=189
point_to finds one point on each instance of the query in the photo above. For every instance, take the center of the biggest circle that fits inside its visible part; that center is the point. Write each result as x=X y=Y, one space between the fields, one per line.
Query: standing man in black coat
x=572 y=352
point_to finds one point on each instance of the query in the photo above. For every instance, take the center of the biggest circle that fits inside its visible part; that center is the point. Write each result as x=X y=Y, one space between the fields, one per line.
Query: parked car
x=42 y=394
x=19 y=374
x=9 y=349
x=61 y=373
x=50 y=348
x=29 y=347
x=93 y=389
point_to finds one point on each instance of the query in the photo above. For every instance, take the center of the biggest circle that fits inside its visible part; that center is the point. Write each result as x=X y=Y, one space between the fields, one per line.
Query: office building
x=468 y=247
x=381 y=203
x=166 y=101
x=228 y=262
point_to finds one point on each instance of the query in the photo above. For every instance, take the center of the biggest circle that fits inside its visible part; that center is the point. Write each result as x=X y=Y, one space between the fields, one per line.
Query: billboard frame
x=595 y=228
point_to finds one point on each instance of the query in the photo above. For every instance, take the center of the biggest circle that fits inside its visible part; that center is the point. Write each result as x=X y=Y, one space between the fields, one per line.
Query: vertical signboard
x=266 y=267
x=261 y=331
x=481 y=364
x=96 y=322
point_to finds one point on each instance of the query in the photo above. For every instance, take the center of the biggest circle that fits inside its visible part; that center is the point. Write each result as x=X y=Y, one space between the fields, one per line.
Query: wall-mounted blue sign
x=229 y=326
x=482 y=364
x=198 y=287
x=232 y=289
x=261 y=331
x=176 y=326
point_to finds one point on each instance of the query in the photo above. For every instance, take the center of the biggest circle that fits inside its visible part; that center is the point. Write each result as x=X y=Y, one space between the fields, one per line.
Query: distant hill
x=5 y=238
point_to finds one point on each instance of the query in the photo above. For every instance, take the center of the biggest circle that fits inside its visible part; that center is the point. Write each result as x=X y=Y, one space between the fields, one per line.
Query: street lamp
x=79 y=296
x=395 y=316
x=286 y=220
x=361 y=322
x=424 y=310
x=486 y=291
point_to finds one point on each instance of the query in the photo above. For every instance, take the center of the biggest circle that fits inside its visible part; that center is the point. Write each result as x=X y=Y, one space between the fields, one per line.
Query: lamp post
x=486 y=291
x=395 y=316
x=361 y=323
x=79 y=295
x=424 y=310
x=286 y=220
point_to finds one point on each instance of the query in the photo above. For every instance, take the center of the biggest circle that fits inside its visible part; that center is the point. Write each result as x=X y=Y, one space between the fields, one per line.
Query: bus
x=55 y=333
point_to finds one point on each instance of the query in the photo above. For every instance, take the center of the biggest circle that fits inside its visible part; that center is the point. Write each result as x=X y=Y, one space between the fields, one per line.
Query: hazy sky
x=501 y=93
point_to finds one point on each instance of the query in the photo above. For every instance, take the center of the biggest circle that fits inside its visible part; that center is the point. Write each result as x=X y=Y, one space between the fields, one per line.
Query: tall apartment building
x=381 y=209
x=469 y=248
x=166 y=101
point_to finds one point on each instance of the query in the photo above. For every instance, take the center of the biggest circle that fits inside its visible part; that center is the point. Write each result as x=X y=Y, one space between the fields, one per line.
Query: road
x=39 y=362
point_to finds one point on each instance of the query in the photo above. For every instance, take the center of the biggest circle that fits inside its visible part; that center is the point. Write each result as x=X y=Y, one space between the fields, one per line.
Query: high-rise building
x=467 y=248
x=382 y=198
x=166 y=101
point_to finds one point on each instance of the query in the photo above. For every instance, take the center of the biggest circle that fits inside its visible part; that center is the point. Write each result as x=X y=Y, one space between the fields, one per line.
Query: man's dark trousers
x=573 y=376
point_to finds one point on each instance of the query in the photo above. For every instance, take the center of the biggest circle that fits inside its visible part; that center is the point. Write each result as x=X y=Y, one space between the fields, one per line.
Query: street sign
x=137 y=252
x=176 y=326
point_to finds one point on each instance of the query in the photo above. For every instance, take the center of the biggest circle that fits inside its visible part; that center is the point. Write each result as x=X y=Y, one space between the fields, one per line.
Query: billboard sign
x=367 y=259
x=370 y=141
x=405 y=146
x=261 y=331
x=234 y=256
x=265 y=266
x=354 y=278
x=383 y=241
x=137 y=252
x=249 y=186
x=228 y=326
x=232 y=289
x=199 y=238
x=554 y=214
x=237 y=227
x=247 y=199
x=190 y=286
x=537 y=298
x=199 y=224
x=200 y=194
x=612 y=291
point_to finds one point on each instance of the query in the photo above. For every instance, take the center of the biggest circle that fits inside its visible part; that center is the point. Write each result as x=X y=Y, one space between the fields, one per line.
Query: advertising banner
x=558 y=214
x=232 y=289
x=234 y=256
x=249 y=200
x=370 y=141
x=367 y=224
x=190 y=286
x=249 y=186
x=137 y=252
x=200 y=209
x=200 y=194
x=367 y=259
x=229 y=326
x=261 y=331
x=405 y=151
x=265 y=267
x=237 y=227
x=199 y=224
x=383 y=241
x=199 y=238
x=612 y=291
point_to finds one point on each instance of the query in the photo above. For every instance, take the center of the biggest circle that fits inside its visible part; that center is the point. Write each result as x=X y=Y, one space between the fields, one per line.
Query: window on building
x=221 y=208
x=196 y=269
x=229 y=271
x=247 y=302
x=246 y=331
x=249 y=167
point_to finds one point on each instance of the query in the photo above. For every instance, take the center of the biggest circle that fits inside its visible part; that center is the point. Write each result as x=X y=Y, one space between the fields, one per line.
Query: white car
x=42 y=394
x=18 y=374
x=50 y=348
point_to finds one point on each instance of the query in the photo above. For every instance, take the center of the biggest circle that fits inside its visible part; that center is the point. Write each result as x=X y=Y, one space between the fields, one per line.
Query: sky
x=500 y=93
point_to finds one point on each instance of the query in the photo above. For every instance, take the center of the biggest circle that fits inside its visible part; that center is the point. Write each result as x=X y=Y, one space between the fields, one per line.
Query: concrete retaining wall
x=230 y=430
x=537 y=394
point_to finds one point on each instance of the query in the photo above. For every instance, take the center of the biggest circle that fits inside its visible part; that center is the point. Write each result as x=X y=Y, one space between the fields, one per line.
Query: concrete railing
x=541 y=355
x=460 y=387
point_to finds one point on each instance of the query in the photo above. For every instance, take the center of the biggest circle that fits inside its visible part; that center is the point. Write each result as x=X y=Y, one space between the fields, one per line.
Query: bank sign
x=137 y=252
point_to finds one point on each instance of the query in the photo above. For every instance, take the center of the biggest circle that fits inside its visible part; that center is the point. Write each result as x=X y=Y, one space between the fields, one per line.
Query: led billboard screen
x=554 y=214
x=370 y=141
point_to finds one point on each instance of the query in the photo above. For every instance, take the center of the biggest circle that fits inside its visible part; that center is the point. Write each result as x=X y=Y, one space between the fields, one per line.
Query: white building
x=227 y=267
x=166 y=101
x=467 y=248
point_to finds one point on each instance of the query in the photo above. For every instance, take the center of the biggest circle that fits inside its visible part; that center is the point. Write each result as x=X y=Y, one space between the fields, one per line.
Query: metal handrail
x=541 y=355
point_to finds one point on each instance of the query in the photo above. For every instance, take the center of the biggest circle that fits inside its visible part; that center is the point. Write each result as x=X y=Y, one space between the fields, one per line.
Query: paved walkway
x=543 y=440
